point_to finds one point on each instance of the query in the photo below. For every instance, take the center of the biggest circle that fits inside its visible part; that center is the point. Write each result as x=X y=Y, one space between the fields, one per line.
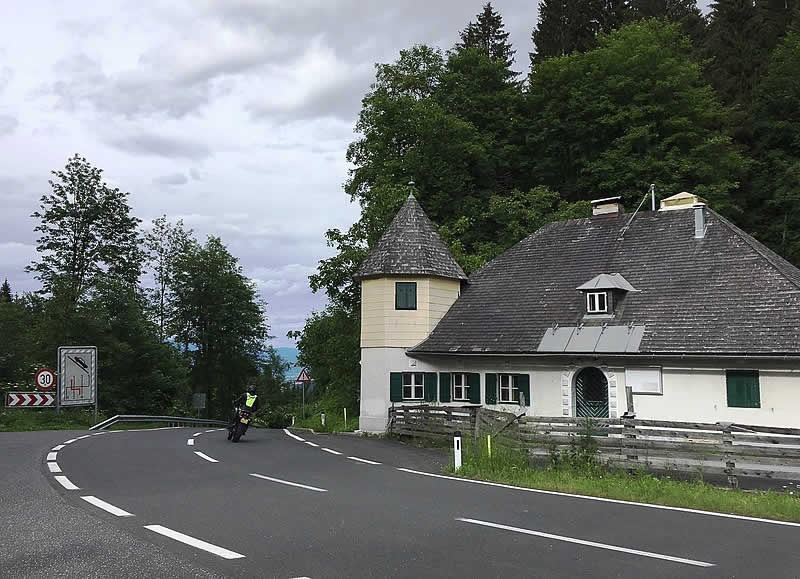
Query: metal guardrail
x=171 y=420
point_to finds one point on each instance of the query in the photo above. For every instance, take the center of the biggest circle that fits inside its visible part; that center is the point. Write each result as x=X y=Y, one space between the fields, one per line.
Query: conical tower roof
x=410 y=246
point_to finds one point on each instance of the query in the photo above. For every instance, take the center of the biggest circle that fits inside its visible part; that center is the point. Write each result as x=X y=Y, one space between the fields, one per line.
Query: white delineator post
x=457 y=448
x=345 y=417
x=322 y=418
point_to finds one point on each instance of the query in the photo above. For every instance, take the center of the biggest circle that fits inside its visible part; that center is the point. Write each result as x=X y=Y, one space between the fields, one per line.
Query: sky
x=232 y=115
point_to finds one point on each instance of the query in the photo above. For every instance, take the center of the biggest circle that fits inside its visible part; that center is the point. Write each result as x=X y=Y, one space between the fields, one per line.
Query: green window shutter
x=743 y=388
x=396 y=387
x=474 y=383
x=444 y=386
x=405 y=295
x=491 y=388
x=430 y=386
x=524 y=385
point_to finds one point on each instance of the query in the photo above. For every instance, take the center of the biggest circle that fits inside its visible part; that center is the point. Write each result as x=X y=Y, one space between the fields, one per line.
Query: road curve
x=283 y=504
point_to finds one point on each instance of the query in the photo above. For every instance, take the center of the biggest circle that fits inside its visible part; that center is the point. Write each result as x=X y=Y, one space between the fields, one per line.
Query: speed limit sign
x=45 y=379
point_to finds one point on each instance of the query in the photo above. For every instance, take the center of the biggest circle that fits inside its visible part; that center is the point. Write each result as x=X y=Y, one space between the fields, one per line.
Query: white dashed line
x=331 y=451
x=212 y=430
x=57 y=448
x=52 y=456
x=311 y=443
x=205 y=456
x=364 y=460
x=286 y=482
x=286 y=430
x=53 y=466
x=190 y=442
x=197 y=434
x=589 y=543
x=109 y=508
x=66 y=483
x=601 y=499
x=84 y=436
x=192 y=542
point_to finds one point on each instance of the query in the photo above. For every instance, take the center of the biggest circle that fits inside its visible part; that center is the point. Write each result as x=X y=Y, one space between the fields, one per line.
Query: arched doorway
x=591 y=393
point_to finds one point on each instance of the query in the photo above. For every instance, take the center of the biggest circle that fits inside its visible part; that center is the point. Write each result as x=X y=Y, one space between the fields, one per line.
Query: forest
x=610 y=97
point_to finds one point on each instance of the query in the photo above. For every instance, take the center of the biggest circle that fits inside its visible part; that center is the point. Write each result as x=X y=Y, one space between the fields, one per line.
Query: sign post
x=77 y=377
x=303 y=379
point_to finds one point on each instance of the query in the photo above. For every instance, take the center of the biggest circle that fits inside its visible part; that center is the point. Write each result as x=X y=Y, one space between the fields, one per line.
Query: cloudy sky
x=233 y=115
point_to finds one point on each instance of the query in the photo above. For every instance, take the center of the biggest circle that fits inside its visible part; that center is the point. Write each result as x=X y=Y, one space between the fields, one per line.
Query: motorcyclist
x=249 y=401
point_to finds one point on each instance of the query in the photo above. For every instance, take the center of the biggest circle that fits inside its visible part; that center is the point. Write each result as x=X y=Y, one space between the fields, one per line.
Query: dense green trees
x=619 y=95
x=196 y=326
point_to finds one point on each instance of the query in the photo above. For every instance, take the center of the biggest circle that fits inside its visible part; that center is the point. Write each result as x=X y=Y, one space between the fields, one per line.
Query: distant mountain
x=290 y=355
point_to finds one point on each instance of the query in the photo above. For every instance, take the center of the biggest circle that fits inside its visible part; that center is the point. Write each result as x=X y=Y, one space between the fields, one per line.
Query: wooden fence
x=720 y=448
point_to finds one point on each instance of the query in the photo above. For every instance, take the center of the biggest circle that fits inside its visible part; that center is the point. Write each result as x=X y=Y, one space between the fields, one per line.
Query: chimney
x=699 y=220
x=611 y=206
x=682 y=200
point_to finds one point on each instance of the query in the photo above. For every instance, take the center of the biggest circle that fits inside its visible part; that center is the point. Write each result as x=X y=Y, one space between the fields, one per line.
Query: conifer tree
x=684 y=12
x=488 y=33
x=5 y=292
x=565 y=26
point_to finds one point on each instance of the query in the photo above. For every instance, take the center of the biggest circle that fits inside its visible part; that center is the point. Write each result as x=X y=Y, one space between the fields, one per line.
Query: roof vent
x=607 y=206
x=683 y=200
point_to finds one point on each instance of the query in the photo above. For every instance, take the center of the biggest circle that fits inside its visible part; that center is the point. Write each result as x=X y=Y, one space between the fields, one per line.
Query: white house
x=699 y=318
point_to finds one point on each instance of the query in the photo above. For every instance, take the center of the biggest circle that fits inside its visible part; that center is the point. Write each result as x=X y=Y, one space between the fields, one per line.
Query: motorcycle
x=240 y=424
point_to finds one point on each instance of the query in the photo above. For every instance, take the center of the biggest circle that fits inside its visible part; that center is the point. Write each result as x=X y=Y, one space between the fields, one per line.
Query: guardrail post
x=730 y=464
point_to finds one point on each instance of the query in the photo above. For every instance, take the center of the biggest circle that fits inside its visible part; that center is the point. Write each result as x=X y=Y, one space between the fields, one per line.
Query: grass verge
x=512 y=467
x=333 y=423
x=28 y=419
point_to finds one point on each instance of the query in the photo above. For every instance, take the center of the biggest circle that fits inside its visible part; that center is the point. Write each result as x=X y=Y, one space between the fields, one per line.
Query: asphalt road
x=281 y=504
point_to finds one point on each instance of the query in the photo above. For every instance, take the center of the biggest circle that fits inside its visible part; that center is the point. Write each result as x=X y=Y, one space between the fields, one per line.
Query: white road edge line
x=53 y=466
x=197 y=434
x=57 y=448
x=286 y=482
x=109 y=508
x=66 y=483
x=311 y=443
x=70 y=441
x=192 y=542
x=84 y=436
x=52 y=456
x=205 y=456
x=364 y=460
x=331 y=451
x=212 y=430
x=190 y=442
x=589 y=543
x=603 y=500
x=286 y=430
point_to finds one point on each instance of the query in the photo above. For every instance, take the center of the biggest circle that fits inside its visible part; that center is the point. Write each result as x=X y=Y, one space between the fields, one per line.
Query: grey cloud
x=195 y=174
x=8 y=124
x=160 y=146
x=173 y=179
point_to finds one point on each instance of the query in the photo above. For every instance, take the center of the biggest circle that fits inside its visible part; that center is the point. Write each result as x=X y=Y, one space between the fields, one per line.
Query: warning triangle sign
x=304 y=376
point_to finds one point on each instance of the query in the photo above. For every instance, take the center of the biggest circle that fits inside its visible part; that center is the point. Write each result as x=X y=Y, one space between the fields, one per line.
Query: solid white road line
x=205 y=456
x=603 y=500
x=196 y=543
x=66 y=483
x=52 y=456
x=109 y=508
x=286 y=482
x=190 y=442
x=589 y=543
x=53 y=466
x=310 y=443
x=57 y=448
x=84 y=436
x=70 y=441
x=286 y=430
x=331 y=451
x=364 y=460
x=212 y=430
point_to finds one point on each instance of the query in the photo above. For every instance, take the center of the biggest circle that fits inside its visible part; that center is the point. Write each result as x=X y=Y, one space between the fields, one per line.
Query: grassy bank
x=27 y=419
x=587 y=478
x=334 y=422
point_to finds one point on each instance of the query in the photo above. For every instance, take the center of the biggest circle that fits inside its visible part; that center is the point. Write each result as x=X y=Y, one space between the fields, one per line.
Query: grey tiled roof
x=725 y=293
x=410 y=246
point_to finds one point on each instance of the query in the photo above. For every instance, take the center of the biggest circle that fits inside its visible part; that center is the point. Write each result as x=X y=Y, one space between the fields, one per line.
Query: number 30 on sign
x=45 y=379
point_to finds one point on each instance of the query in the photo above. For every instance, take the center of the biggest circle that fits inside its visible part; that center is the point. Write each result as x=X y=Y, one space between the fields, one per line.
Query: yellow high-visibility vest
x=251 y=399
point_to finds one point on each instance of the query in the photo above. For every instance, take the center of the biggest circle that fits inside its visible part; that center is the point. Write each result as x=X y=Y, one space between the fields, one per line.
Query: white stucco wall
x=696 y=394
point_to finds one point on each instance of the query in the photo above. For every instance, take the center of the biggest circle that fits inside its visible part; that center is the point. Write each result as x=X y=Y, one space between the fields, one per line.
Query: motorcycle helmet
x=251 y=389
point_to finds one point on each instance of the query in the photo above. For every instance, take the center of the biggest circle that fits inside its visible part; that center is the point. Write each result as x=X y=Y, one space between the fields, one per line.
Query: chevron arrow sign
x=29 y=400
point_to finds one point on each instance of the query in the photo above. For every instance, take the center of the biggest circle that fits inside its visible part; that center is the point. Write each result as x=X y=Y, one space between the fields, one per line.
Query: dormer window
x=596 y=303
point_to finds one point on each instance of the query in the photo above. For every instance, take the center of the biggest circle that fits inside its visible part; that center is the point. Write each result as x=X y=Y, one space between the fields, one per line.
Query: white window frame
x=416 y=390
x=464 y=387
x=511 y=388
x=593 y=303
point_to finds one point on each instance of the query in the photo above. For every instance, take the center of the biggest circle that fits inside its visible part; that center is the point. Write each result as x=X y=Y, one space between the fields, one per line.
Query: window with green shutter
x=430 y=386
x=474 y=382
x=405 y=295
x=491 y=388
x=743 y=388
x=444 y=387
